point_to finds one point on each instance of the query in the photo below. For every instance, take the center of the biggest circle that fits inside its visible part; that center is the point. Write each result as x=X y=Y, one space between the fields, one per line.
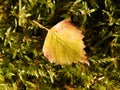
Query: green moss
x=22 y=65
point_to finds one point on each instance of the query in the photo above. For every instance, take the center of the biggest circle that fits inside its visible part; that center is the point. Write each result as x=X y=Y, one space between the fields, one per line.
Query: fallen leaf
x=64 y=44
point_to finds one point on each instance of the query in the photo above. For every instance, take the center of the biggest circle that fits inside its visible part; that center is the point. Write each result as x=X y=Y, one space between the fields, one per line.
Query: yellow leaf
x=64 y=44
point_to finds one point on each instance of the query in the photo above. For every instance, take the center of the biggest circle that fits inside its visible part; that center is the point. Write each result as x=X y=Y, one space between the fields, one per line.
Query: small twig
x=40 y=25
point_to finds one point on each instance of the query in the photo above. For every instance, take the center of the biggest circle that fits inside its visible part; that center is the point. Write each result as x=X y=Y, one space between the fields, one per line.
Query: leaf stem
x=40 y=25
